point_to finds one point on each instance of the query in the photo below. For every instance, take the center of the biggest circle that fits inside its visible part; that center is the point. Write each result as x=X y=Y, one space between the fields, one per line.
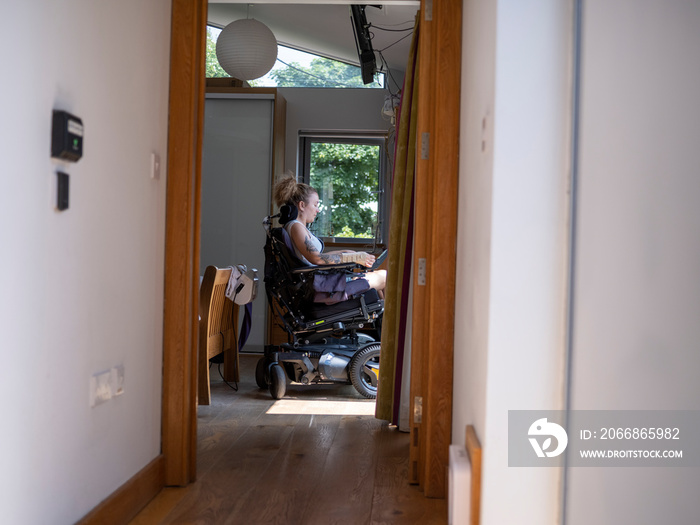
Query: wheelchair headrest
x=288 y=212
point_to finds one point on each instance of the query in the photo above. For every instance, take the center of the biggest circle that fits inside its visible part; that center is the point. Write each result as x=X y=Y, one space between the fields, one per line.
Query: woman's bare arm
x=315 y=255
x=302 y=240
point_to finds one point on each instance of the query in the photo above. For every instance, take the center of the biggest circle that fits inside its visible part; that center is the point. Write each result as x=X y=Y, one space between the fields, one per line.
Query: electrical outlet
x=100 y=388
x=117 y=378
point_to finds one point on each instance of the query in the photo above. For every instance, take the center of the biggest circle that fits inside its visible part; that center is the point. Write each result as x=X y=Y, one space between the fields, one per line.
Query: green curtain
x=400 y=245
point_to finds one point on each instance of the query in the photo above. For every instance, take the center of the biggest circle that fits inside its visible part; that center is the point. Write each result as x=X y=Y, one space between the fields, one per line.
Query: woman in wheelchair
x=332 y=318
x=309 y=248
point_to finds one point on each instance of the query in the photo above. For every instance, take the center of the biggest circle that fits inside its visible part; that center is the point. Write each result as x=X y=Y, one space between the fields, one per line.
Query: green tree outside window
x=347 y=179
x=212 y=67
x=321 y=73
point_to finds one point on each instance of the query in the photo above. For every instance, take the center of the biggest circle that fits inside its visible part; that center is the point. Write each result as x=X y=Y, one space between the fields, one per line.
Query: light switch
x=155 y=166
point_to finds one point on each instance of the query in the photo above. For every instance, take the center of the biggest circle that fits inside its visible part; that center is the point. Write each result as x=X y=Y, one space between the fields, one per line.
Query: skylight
x=296 y=68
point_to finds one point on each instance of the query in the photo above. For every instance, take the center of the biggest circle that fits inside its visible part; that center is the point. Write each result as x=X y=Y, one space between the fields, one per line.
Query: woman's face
x=312 y=208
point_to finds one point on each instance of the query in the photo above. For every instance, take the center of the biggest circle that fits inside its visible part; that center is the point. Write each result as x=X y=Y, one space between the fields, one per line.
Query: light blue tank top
x=318 y=243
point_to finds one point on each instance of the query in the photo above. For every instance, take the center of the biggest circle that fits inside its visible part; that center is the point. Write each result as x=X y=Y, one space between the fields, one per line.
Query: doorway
x=434 y=385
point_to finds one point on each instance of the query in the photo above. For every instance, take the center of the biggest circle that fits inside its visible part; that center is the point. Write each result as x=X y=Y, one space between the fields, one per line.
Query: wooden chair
x=217 y=329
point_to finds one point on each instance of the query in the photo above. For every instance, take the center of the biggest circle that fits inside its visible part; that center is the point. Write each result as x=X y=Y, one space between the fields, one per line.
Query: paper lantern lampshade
x=246 y=49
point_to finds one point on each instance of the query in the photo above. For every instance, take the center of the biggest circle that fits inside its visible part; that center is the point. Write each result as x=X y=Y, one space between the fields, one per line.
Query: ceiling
x=326 y=28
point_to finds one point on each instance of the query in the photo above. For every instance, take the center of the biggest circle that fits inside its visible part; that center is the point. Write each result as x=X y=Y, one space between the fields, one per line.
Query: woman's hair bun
x=288 y=191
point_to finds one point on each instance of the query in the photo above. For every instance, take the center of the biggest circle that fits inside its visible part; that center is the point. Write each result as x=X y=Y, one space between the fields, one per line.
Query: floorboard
x=317 y=457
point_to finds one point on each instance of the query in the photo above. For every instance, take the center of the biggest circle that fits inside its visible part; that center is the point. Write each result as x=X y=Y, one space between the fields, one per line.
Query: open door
x=437 y=175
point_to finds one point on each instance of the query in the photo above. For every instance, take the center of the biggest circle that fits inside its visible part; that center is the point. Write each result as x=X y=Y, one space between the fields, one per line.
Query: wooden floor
x=316 y=457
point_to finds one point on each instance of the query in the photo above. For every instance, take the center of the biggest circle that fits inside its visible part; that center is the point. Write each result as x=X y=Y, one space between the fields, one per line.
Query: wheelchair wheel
x=261 y=372
x=278 y=381
x=364 y=370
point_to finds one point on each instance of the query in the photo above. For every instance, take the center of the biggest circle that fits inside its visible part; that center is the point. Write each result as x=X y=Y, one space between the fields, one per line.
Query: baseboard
x=123 y=504
x=252 y=349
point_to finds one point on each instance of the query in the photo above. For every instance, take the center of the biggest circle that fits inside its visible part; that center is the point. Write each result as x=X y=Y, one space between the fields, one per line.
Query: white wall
x=330 y=109
x=82 y=290
x=637 y=292
x=474 y=220
x=512 y=240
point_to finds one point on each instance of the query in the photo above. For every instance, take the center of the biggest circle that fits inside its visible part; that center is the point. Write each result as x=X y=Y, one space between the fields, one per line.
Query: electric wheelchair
x=330 y=314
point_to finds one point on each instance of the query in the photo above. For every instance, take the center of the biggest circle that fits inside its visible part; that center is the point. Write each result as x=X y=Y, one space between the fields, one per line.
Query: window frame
x=370 y=138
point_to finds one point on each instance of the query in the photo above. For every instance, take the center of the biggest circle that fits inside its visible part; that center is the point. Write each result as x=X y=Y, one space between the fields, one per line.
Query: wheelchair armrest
x=314 y=268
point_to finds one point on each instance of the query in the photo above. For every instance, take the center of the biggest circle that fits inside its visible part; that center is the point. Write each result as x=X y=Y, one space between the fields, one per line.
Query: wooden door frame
x=181 y=301
x=436 y=228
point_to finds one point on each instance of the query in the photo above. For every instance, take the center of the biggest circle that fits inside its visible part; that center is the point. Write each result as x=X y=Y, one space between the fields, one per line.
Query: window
x=296 y=68
x=349 y=173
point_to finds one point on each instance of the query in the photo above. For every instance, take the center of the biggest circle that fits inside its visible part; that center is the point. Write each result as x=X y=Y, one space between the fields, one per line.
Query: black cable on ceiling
x=393 y=44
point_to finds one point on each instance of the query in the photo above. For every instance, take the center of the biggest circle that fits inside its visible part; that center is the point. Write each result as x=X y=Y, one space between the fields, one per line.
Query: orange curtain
x=400 y=246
